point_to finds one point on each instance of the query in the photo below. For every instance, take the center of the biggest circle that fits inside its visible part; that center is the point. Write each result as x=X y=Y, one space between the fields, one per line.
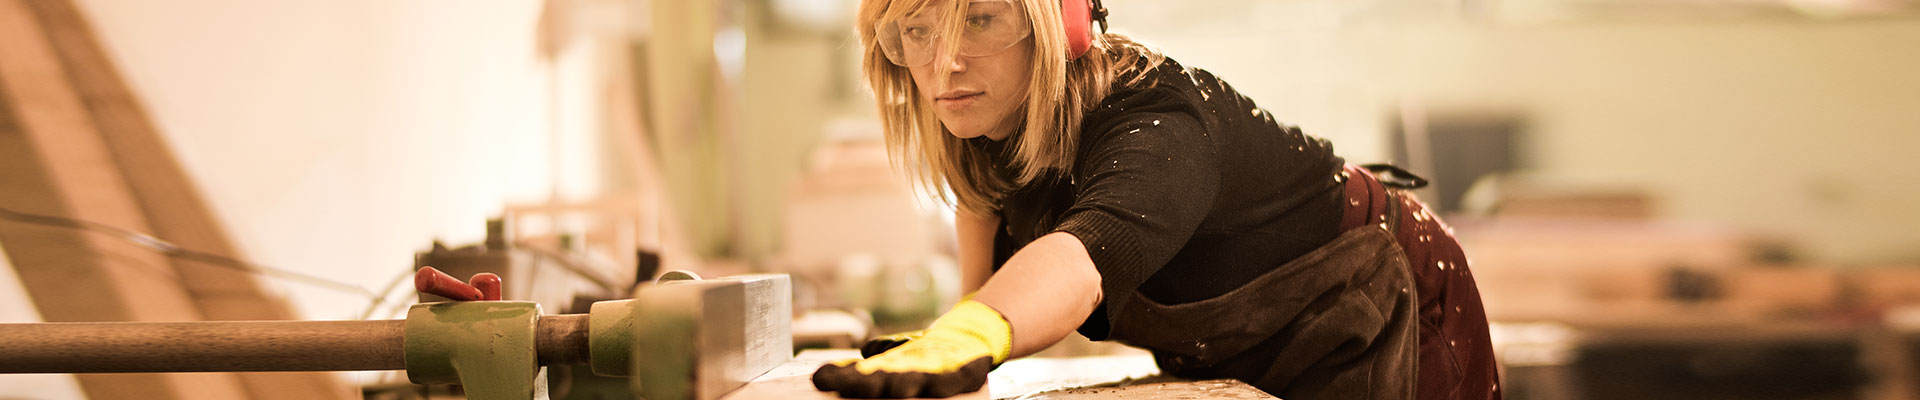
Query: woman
x=1106 y=188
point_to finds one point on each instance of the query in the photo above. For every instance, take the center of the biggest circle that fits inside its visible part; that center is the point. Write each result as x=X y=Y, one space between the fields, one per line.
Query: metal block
x=699 y=339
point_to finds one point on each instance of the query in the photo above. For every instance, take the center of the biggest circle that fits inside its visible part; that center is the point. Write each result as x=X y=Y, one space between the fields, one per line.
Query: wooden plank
x=1103 y=377
x=166 y=196
x=1219 y=389
x=794 y=379
x=56 y=164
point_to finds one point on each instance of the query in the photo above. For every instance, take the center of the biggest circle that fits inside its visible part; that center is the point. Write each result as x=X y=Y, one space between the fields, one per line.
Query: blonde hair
x=1059 y=95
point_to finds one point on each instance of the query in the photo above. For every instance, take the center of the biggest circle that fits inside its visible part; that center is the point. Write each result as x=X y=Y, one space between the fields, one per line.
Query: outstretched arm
x=1045 y=291
x=975 y=234
x=1048 y=288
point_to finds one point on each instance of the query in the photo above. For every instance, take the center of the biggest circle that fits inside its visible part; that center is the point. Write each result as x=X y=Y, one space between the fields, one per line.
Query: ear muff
x=1077 y=17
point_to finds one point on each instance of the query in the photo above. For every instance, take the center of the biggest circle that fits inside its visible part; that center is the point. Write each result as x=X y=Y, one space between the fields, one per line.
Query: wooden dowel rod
x=210 y=346
x=82 y=347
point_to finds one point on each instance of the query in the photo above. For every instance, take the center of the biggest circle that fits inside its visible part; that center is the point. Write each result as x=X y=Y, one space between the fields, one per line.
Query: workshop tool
x=680 y=339
x=554 y=279
x=432 y=281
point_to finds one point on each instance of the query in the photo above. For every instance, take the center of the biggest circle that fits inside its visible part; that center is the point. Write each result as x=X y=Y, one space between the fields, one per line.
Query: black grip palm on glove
x=878 y=345
x=951 y=357
x=851 y=383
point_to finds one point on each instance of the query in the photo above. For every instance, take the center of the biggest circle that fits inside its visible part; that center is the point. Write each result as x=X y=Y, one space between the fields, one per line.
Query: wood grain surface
x=1107 y=377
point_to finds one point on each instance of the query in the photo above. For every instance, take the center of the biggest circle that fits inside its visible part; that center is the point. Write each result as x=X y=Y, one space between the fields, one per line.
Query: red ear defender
x=1077 y=17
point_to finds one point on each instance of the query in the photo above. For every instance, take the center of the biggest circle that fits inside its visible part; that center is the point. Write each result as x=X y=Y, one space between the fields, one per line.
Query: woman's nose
x=951 y=62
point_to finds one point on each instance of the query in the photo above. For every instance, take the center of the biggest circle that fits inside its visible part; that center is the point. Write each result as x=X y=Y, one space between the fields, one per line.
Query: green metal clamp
x=610 y=337
x=679 y=339
x=487 y=346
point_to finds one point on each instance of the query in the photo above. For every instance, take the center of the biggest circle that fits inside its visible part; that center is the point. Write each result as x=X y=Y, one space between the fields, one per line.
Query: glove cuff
x=978 y=320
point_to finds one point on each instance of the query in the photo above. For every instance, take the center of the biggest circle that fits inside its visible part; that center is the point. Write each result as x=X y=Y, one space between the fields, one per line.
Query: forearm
x=1045 y=291
x=975 y=233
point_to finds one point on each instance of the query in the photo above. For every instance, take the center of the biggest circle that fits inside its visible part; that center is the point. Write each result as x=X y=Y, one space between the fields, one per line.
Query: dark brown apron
x=1456 y=353
x=1387 y=310
x=1335 y=323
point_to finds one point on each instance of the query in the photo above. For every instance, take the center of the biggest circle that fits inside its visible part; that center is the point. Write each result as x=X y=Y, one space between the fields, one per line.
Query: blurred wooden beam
x=83 y=146
x=56 y=164
x=161 y=188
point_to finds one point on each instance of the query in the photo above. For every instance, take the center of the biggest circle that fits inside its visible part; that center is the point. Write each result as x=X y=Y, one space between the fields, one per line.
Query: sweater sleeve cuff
x=1115 y=254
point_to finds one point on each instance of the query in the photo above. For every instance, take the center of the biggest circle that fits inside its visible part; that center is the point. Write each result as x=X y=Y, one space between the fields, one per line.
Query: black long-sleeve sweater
x=1182 y=190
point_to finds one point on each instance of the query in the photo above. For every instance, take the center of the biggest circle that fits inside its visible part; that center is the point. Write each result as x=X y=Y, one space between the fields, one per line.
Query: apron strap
x=1395 y=177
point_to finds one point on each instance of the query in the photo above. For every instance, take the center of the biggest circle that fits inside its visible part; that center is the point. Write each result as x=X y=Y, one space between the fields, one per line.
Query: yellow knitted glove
x=882 y=343
x=951 y=357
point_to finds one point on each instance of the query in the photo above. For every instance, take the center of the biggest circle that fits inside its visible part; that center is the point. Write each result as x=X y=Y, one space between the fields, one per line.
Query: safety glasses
x=990 y=26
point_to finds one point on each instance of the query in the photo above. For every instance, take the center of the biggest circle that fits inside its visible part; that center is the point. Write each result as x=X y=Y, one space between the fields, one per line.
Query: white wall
x=1782 y=125
x=1803 y=128
x=1730 y=114
x=338 y=137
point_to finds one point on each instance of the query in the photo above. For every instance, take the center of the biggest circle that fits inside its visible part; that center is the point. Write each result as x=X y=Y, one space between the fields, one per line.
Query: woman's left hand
x=951 y=357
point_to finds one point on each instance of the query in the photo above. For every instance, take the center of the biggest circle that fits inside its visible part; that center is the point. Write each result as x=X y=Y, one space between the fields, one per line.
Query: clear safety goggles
x=990 y=26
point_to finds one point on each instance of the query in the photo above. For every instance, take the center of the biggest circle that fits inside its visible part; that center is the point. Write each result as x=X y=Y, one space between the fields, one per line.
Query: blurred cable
x=373 y=306
x=574 y=267
x=171 y=250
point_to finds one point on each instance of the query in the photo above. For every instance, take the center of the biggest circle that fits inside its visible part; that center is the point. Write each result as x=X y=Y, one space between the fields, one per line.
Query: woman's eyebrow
x=924 y=15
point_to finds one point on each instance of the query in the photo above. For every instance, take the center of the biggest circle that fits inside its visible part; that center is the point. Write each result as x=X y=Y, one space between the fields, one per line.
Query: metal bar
x=721 y=332
x=114 y=347
x=561 y=339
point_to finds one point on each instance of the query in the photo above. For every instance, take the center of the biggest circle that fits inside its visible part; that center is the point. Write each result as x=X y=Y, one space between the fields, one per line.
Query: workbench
x=1104 y=377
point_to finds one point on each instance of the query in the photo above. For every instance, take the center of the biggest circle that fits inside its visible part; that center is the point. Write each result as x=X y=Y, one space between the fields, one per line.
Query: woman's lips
x=957 y=102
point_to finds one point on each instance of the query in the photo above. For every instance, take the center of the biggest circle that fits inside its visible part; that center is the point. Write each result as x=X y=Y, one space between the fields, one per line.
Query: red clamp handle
x=483 y=286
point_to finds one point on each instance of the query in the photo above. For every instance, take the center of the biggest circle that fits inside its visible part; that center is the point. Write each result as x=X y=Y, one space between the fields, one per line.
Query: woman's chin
x=964 y=133
x=975 y=129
